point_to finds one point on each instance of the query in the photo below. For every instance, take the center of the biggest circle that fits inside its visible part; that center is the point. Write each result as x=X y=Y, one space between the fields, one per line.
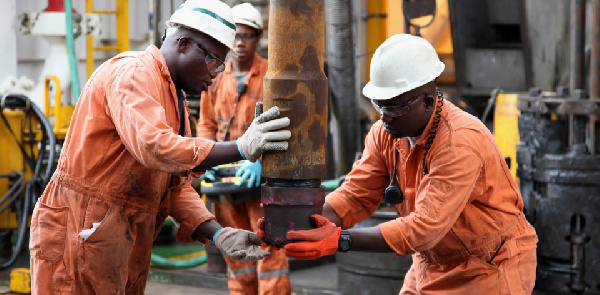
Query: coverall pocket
x=47 y=246
x=492 y=279
x=521 y=263
x=106 y=253
x=437 y=192
x=473 y=276
x=95 y=211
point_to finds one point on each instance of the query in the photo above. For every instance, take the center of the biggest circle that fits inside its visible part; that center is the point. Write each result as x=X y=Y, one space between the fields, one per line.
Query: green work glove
x=209 y=174
x=250 y=171
x=264 y=134
x=239 y=244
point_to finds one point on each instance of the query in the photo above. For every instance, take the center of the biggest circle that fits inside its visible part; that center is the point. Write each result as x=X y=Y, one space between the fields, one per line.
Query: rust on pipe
x=296 y=83
x=289 y=208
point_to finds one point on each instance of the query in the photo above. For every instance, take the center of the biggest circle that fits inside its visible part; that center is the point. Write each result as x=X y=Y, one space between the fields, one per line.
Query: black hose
x=22 y=227
x=36 y=183
x=14 y=190
x=49 y=134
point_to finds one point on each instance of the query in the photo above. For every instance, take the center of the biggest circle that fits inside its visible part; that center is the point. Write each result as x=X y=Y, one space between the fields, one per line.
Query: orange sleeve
x=360 y=195
x=188 y=212
x=135 y=106
x=207 y=126
x=440 y=198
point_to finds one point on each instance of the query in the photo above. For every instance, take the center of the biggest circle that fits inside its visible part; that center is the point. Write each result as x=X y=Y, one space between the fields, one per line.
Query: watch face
x=344 y=245
x=345 y=242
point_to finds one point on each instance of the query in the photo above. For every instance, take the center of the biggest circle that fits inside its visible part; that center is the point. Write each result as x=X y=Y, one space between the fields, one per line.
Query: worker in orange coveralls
x=128 y=160
x=460 y=211
x=226 y=111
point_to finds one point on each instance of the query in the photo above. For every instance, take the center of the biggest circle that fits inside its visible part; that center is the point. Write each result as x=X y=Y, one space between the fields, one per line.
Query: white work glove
x=261 y=137
x=239 y=244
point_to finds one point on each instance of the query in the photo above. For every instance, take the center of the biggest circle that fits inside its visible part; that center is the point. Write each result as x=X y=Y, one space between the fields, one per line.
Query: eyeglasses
x=397 y=110
x=213 y=63
x=245 y=37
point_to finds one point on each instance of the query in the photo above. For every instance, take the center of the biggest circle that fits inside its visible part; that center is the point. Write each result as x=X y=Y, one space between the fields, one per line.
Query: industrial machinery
x=28 y=137
x=559 y=167
x=559 y=182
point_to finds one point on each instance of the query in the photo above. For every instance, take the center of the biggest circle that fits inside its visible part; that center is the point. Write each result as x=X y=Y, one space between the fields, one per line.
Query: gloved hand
x=209 y=174
x=261 y=137
x=313 y=243
x=252 y=170
x=261 y=233
x=239 y=244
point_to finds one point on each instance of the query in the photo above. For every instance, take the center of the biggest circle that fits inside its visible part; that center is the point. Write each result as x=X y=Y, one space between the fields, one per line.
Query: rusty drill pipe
x=296 y=83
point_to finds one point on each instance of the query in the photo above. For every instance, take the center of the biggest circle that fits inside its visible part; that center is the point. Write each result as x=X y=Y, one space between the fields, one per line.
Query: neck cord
x=434 y=126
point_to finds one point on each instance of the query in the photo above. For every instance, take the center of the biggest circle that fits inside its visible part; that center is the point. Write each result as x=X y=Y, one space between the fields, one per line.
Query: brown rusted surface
x=289 y=208
x=296 y=83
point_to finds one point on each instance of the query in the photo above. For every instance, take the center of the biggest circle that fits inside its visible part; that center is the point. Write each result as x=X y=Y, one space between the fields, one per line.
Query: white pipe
x=8 y=35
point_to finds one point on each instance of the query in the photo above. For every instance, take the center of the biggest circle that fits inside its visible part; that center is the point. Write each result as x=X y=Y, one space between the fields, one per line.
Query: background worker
x=460 y=210
x=128 y=158
x=226 y=111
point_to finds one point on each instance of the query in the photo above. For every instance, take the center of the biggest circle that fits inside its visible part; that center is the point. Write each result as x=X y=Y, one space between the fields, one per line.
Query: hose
x=35 y=185
x=71 y=51
x=177 y=264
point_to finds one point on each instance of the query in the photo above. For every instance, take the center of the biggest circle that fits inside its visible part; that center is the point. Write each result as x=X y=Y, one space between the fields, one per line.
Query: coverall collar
x=254 y=69
x=164 y=70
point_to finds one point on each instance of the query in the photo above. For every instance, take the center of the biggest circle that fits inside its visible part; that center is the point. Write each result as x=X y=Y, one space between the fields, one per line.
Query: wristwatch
x=345 y=242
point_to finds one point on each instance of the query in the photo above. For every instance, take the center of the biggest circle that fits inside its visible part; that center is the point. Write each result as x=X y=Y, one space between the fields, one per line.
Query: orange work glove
x=261 y=233
x=313 y=243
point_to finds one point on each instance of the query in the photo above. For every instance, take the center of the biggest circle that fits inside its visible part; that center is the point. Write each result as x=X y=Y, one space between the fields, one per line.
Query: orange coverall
x=216 y=107
x=119 y=155
x=468 y=197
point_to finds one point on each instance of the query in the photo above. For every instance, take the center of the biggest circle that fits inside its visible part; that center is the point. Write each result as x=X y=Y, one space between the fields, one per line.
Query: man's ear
x=183 y=44
x=429 y=102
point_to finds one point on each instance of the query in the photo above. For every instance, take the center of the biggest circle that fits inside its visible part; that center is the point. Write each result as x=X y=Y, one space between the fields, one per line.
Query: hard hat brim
x=231 y=49
x=248 y=23
x=374 y=92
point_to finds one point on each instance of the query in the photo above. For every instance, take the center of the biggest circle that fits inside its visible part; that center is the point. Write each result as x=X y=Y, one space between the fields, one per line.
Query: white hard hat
x=211 y=17
x=246 y=14
x=402 y=63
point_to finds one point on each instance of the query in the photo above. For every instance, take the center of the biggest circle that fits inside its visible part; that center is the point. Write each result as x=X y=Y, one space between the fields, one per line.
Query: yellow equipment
x=62 y=113
x=506 y=129
x=224 y=189
x=14 y=169
x=20 y=281
x=122 y=28
x=28 y=149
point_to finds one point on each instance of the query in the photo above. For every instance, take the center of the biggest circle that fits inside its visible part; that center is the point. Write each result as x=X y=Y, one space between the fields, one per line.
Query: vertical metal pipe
x=577 y=72
x=342 y=82
x=296 y=83
x=594 y=71
x=577 y=44
x=595 y=52
x=578 y=239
